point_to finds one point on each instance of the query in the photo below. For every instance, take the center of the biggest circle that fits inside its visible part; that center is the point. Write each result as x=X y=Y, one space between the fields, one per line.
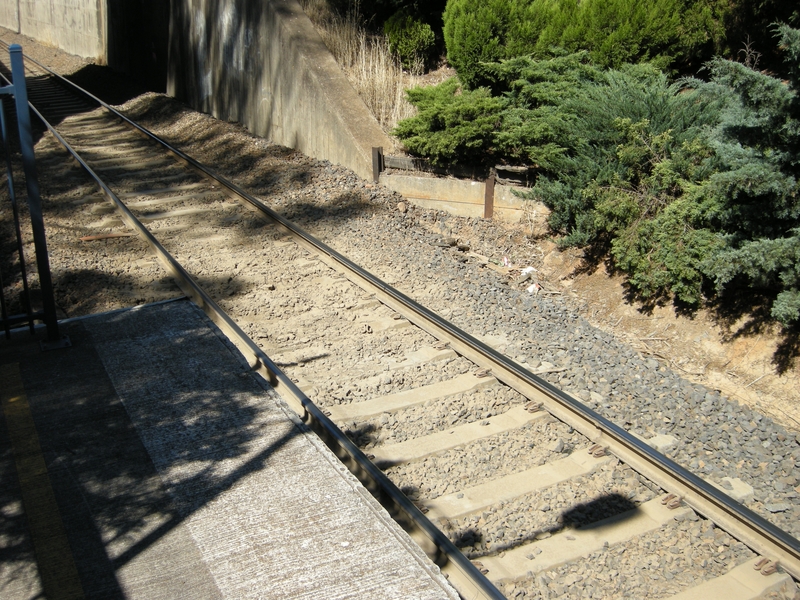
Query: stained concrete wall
x=466 y=199
x=264 y=65
x=130 y=36
x=9 y=14
x=75 y=26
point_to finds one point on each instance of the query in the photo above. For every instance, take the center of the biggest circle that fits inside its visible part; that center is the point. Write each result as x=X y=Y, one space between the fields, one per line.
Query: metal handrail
x=17 y=88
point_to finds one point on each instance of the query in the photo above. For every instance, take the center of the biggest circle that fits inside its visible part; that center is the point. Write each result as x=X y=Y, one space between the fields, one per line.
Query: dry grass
x=372 y=69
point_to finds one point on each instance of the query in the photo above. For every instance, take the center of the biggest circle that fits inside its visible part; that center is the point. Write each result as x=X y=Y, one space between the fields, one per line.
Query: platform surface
x=147 y=461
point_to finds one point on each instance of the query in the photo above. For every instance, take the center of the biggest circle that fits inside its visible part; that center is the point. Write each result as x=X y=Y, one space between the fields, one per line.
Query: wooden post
x=488 y=198
x=377 y=163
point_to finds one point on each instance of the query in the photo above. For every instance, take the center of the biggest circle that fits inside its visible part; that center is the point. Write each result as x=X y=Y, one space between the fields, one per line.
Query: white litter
x=534 y=289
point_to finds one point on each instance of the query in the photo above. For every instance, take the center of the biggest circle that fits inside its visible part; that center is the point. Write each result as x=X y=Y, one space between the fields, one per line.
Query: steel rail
x=741 y=522
x=468 y=579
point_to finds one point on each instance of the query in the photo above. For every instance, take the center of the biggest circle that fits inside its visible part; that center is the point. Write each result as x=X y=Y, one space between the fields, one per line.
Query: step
x=363 y=410
x=145 y=153
x=174 y=214
x=379 y=324
x=157 y=163
x=142 y=204
x=165 y=190
x=424 y=355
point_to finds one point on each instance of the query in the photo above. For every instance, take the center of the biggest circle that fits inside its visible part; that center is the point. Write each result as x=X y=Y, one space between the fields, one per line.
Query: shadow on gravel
x=92 y=297
x=788 y=352
x=362 y=435
x=744 y=312
x=468 y=537
x=590 y=514
x=383 y=465
x=222 y=286
x=605 y=511
x=411 y=491
x=109 y=86
x=338 y=208
x=9 y=256
x=246 y=159
x=301 y=361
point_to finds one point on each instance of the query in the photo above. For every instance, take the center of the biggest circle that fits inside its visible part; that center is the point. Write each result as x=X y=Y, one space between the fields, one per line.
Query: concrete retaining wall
x=264 y=65
x=259 y=63
x=9 y=15
x=128 y=35
x=75 y=26
x=466 y=199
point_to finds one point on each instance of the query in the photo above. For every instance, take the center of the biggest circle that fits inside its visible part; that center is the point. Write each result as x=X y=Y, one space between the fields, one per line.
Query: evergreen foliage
x=475 y=32
x=451 y=126
x=666 y=33
x=411 y=39
x=378 y=12
x=757 y=145
x=684 y=184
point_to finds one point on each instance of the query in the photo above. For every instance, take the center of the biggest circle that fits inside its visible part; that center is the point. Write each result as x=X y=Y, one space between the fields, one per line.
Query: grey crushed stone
x=670 y=567
x=717 y=437
x=485 y=460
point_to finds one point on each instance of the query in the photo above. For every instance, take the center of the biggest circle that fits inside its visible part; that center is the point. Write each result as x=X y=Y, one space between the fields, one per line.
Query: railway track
x=520 y=487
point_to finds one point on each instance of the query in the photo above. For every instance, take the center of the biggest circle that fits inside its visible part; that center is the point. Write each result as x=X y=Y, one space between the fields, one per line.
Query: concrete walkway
x=148 y=462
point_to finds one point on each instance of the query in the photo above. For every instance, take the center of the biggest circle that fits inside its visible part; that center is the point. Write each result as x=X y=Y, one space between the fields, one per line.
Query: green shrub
x=615 y=149
x=451 y=125
x=757 y=144
x=667 y=33
x=700 y=182
x=474 y=32
x=411 y=39
x=682 y=184
x=621 y=31
x=633 y=156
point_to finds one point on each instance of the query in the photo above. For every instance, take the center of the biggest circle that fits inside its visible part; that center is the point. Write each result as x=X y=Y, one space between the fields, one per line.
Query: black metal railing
x=47 y=312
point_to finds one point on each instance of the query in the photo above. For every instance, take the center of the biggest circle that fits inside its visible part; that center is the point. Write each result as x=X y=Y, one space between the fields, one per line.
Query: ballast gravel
x=532 y=445
x=407 y=247
x=567 y=504
x=717 y=437
x=388 y=382
x=441 y=415
x=678 y=556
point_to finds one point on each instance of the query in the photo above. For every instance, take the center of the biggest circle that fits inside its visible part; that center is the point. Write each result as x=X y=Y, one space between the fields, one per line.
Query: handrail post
x=32 y=185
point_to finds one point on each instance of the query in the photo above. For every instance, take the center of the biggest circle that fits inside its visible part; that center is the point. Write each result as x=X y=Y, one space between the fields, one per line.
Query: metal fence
x=47 y=311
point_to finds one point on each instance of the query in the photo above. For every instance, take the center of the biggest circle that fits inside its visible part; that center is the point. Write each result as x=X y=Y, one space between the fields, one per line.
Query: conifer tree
x=757 y=144
x=683 y=183
x=670 y=34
